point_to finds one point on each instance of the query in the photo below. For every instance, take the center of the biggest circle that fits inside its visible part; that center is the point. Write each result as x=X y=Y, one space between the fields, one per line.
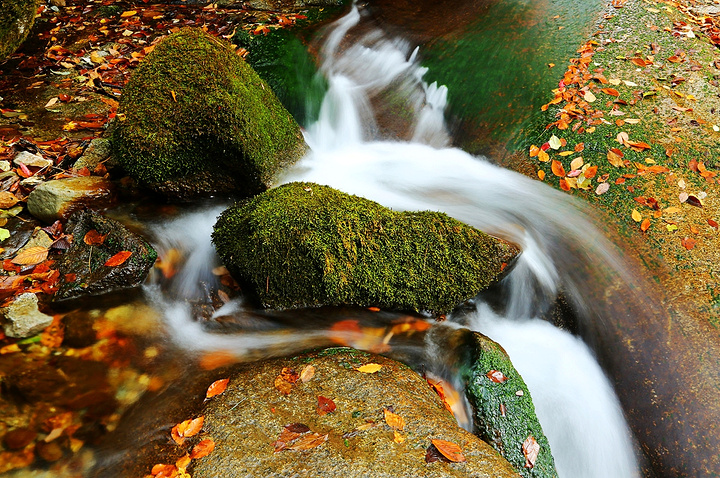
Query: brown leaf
x=31 y=256
x=289 y=433
x=283 y=385
x=394 y=420
x=531 y=449
x=557 y=168
x=204 y=448
x=94 y=238
x=496 y=376
x=325 y=405
x=309 y=441
x=615 y=157
x=694 y=201
x=289 y=375
x=712 y=223
x=217 y=387
x=118 y=259
x=449 y=450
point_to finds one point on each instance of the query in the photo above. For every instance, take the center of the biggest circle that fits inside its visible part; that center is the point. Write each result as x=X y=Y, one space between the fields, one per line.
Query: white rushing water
x=575 y=402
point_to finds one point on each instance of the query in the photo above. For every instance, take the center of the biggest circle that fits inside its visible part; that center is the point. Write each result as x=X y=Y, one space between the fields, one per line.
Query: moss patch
x=303 y=244
x=16 y=20
x=193 y=107
x=504 y=413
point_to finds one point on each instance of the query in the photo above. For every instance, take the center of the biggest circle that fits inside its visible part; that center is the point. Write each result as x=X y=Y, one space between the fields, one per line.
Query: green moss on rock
x=504 y=413
x=303 y=244
x=16 y=20
x=197 y=119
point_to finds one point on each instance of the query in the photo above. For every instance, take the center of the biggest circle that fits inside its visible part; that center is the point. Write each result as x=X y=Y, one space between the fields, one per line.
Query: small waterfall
x=560 y=244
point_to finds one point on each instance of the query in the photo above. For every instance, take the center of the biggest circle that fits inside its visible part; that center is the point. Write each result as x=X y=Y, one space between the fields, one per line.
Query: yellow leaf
x=543 y=156
x=672 y=210
x=637 y=217
x=576 y=163
x=30 y=256
x=129 y=13
x=589 y=97
x=394 y=420
x=398 y=437
x=369 y=368
x=566 y=153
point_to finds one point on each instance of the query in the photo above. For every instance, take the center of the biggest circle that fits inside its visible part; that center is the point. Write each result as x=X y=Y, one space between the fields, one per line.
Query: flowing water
x=350 y=152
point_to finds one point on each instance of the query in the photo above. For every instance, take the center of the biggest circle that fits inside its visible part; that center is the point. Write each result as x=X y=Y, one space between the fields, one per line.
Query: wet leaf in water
x=204 y=448
x=531 y=449
x=369 y=368
x=308 y=442
x=325 y=405
x=118 y=259
x=394 y=420
x=449 y=450
x=217 y=387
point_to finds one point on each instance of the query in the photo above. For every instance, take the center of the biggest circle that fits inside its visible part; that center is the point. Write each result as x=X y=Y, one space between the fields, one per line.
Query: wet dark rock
x=504 y=414
x=58 y=199
x=303 y=244
x=16 y=21
x=19 y=438
x=221 y=129
x=281 y=5
x=50 y=452
x=23 y=318
x=98 y=151
x=20 y=233
x=82 y=269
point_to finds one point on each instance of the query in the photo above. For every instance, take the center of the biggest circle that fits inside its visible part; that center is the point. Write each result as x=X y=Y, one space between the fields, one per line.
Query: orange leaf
x=543 y=156
x=534 y=150
x=309 y=441
x=308 y=372
x=30 y=256
x=531 y=449
x=325 y=405
x=611 y=91
x=591 y=172
x=645 y=225
x=579 y=147
x=163 y=470
x=118 y=259
x=615 y=157
x=94 y=238
x=688 y=243
x=449 y=450
x=496 y=376
x=712 y=223
x=204 y=448
x=541 y=175
x=394 y=420
x=557 y=168
x=186 y=429
x=183 y=461
x=217 y=387
x=564 y=185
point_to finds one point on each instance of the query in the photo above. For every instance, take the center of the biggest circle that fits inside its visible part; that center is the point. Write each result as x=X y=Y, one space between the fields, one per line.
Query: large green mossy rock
x=303 y=244
x=504 y=414
x=197 y=119
x=16 y=20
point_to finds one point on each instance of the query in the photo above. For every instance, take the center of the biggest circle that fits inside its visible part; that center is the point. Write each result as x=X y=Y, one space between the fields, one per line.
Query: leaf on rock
x=307 y=373
x=118 y=259
x=308 y=442
x=636 y=216
x=449 y=450
x=557 y=168
x=283 y=385
x=645 y=225
x=204 y=448
x=611 y=91
x=394 y=420
x=534 y=150
x=369 y=368
x=163 y=470
x=615 y=157
x=325 y=405
x=531 y=449
x=186 y=429
x=496 y=376
x=31 y=256
x=543 y=156
x=217 y=387
x=398 y=437
x=94 y=238
x=7 y=200
x=688 y=243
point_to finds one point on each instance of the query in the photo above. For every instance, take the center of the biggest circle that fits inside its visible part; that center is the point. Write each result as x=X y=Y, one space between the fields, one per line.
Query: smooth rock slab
x=246 y=420
x=59 y=198
x=23 y=318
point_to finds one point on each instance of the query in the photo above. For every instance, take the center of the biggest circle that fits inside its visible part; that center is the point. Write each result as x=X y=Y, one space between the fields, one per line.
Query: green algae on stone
x=503 y=410
x=16 y=20
x=303 y=244
x=195 y=118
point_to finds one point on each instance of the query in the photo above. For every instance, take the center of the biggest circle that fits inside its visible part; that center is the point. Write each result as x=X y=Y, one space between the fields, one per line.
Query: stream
x=351 y=152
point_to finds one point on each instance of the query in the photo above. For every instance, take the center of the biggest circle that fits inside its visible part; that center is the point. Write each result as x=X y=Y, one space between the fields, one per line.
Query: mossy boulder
x=16 y=20
x=196 y=119
x=503 y=411
x=303 y=244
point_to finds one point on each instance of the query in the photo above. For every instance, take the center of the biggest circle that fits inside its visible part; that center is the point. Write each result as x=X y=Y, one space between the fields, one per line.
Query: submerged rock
x=303 y=244
x=23 y=318
x=504 y=414
x=82 y=268
x=198 y=119
x=16 y=21
x=59 y=198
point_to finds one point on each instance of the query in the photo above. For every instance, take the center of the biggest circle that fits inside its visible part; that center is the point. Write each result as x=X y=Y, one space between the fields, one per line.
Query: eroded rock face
x=83 y=269
x=247 y=419
x=197 y=119
x=303 y=244
x=59 y=198
x=22 y=317
x=16 y=21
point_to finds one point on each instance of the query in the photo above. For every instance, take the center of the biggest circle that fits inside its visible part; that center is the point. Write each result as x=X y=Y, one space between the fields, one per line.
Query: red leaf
x=204 y=448
x=496 y=376
x=118 y=259
x=94 y=238
x=325 y=405
x=688 y=243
